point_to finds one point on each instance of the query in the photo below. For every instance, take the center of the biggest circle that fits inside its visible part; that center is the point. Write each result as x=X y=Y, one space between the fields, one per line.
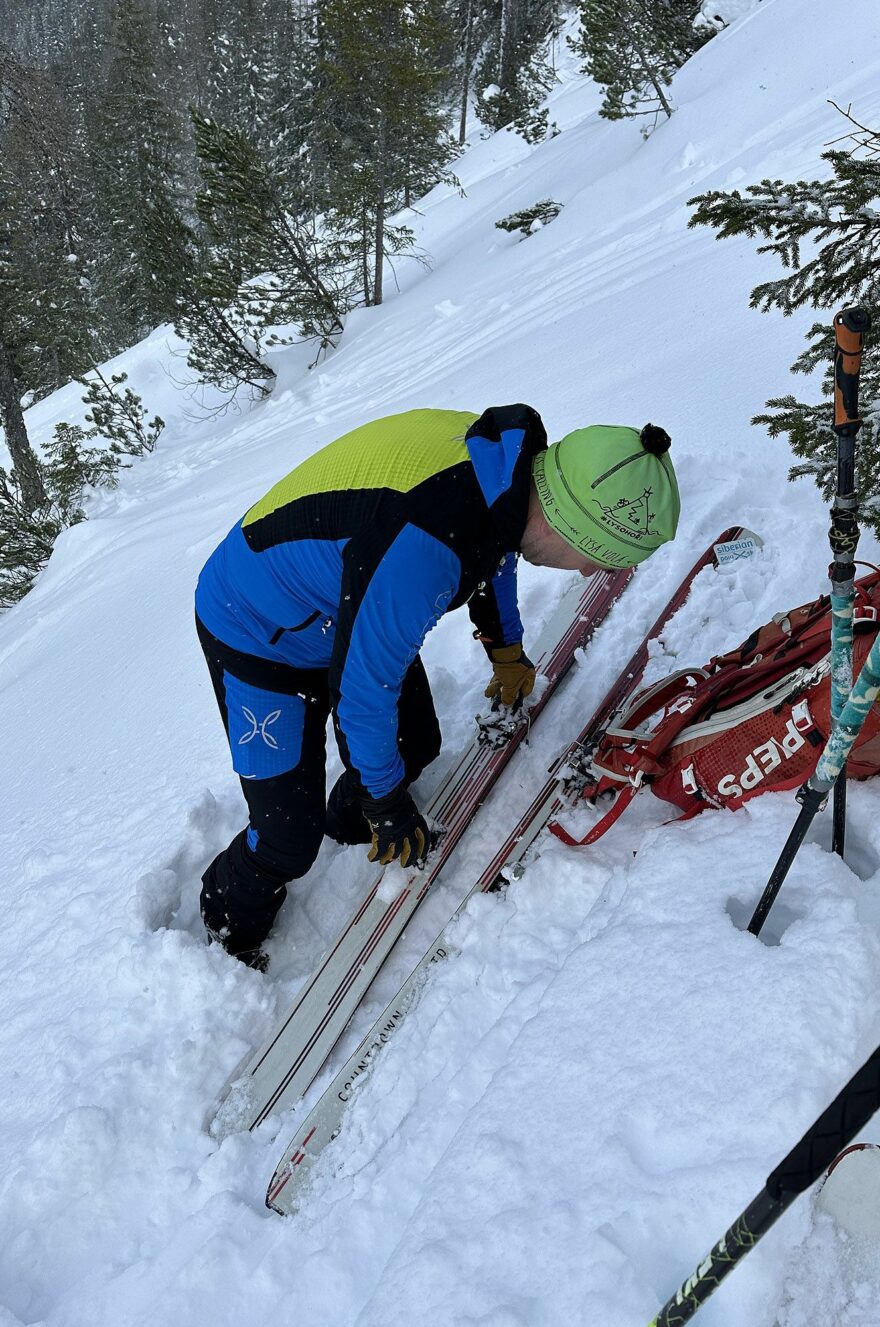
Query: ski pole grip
x=850 y=326
x=837 y=1126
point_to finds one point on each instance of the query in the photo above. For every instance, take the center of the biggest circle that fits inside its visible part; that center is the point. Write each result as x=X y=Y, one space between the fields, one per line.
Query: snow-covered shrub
x=530 y=219
x=69 y=466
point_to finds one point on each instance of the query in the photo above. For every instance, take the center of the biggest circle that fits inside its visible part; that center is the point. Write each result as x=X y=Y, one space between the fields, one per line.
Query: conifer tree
x=383 y=118
x=513 y=74
x=259 y=75
x=48 y=309
x=29 y=526
x=27 y=534
x=202 y=296
x=632 y=48
x=118 y=415
x=294 y=144
x=243 y=67
x=137 y=162
x=467 y=38
x=257 y=226
x=26 y=473
x=838 y=220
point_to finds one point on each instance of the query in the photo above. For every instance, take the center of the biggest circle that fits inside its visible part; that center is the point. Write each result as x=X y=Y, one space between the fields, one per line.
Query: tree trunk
x=507 y=46
x=651 y=78
x=365 y=251
x=466 y=72
x=24 y=463
x=381 y=170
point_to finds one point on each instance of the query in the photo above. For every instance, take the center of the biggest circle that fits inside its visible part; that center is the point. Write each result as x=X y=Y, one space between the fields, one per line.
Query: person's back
x=273 y=586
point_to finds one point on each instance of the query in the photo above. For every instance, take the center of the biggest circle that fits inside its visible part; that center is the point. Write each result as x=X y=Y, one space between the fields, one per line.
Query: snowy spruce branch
x=836 y=221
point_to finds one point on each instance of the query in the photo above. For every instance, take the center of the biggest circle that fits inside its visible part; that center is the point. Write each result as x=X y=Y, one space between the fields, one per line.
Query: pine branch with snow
x=837 y=223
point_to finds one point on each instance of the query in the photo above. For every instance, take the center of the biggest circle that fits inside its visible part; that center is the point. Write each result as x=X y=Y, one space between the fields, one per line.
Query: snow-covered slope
x=603 y=1077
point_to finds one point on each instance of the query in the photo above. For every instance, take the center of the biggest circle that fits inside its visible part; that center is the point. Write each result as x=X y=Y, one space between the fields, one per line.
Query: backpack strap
x=620 y=746
x=602 y=826
x=652 y=699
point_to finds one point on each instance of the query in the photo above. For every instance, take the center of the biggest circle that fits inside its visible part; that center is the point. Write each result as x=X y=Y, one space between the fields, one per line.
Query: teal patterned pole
x=813 y=796
x=850 y=326
x=850 y=721
x=843 y=593
x=842 y=607
x=849 y=704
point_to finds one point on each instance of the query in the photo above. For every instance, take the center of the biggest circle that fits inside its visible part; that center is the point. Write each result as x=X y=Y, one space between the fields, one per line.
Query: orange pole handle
x=850 y=326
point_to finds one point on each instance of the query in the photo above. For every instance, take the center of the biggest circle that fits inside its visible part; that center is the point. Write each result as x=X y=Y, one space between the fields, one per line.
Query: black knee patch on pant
x=292 y=853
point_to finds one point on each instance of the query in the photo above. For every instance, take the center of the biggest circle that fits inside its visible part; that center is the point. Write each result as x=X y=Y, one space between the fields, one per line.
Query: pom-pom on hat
x=610 y=491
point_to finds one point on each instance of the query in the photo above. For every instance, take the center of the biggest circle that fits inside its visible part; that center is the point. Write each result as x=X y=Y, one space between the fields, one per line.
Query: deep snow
x=602 y=1078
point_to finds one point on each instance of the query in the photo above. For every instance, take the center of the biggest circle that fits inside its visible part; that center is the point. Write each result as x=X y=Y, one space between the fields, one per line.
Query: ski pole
x=850 y=326
x=848 y=1113
x=813 y=796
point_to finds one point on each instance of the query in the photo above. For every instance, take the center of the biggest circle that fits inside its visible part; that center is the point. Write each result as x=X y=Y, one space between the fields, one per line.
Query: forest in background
x=240 y=169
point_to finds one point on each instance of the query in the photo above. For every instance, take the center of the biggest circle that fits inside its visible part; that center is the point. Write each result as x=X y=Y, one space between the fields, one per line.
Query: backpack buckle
x=801 y=716
x=689 y=781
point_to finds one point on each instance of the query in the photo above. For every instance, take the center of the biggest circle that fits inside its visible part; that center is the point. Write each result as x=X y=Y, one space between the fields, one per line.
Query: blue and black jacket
x=350 y=560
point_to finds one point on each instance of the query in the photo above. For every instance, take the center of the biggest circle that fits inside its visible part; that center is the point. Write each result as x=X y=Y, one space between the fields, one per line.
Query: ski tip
x=279 y=1193
x=847 y=1151
x=237 y=1112
x=275 y=1190
x=850 y=1192
x=742 y=544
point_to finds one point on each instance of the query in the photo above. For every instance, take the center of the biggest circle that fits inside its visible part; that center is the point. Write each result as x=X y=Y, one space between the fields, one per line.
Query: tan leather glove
x=513 y=674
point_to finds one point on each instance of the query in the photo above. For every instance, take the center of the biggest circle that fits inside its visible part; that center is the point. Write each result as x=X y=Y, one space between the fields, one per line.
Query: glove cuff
x=505 y=654
x=383 y=806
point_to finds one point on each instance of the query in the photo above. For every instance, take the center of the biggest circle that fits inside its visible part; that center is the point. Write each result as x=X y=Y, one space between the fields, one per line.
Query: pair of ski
x=276 y=1076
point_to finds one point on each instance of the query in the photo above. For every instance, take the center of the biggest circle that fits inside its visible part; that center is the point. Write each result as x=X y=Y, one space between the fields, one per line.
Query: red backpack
x=751 y=721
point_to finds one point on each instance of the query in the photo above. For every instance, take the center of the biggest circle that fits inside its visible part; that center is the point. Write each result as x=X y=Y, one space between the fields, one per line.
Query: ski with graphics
x=275 y=1075
x=568 y=777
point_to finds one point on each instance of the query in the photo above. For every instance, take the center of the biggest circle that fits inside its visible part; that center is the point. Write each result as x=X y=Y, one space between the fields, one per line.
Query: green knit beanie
x=610 y=492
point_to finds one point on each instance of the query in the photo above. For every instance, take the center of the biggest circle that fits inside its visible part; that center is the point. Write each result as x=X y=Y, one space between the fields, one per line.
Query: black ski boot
x=239 y=902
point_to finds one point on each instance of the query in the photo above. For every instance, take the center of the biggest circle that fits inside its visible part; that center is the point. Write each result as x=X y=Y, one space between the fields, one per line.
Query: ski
x=324 y=1122
x=850 y=1192
x=275 y=1076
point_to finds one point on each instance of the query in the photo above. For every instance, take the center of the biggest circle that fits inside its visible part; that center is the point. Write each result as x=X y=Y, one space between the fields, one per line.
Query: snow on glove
x=399 y=830
x=513 y=674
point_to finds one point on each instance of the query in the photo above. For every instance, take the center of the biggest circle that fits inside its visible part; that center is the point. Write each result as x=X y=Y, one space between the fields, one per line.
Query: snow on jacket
x=351 y=559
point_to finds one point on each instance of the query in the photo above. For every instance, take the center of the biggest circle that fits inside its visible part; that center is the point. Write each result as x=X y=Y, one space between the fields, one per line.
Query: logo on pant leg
x=259 y=728
x=265 y=729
